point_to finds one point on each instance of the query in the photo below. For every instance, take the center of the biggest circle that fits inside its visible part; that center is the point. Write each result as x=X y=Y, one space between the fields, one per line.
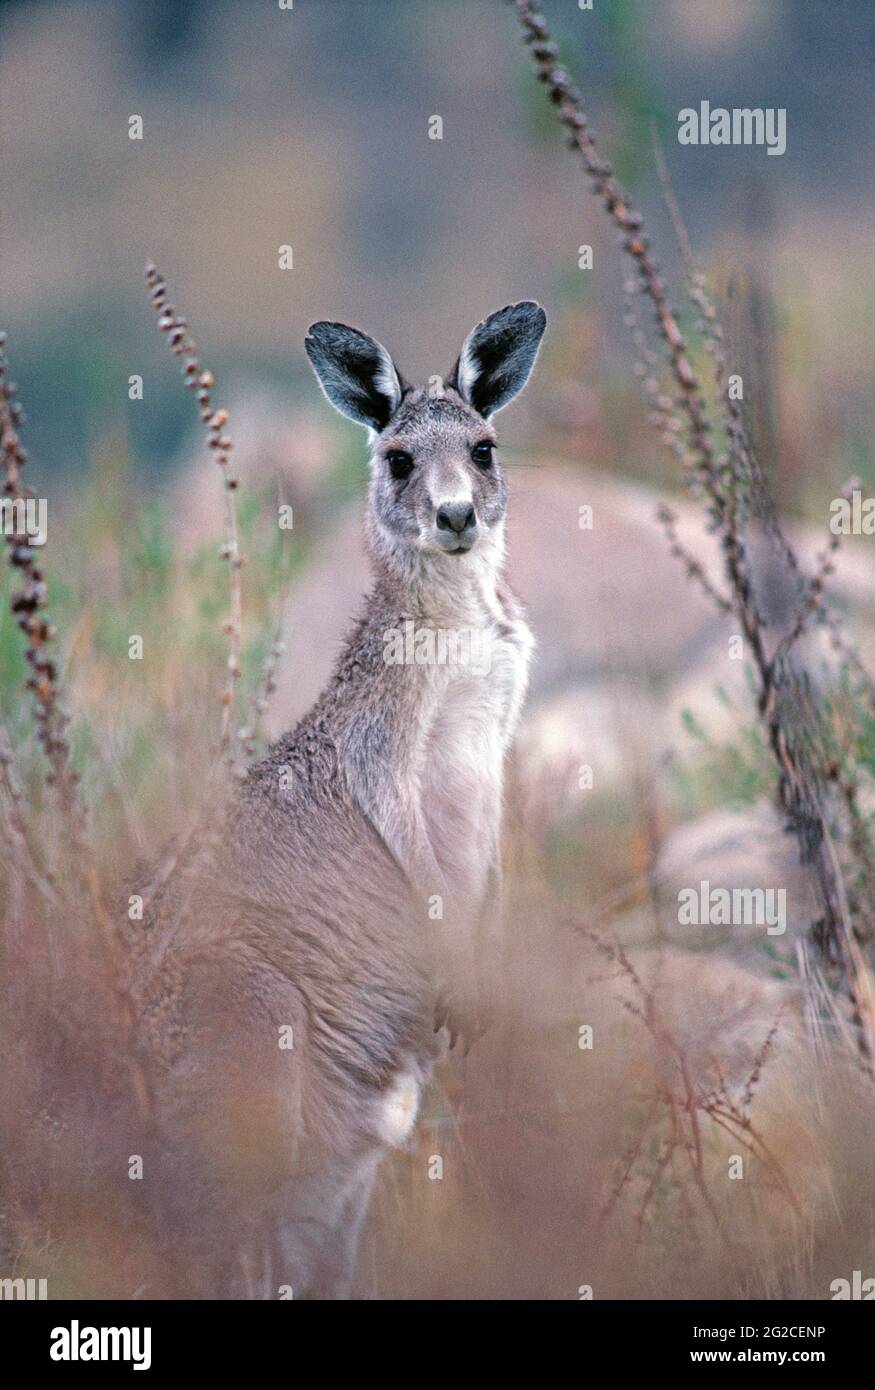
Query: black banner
x=67 y=1338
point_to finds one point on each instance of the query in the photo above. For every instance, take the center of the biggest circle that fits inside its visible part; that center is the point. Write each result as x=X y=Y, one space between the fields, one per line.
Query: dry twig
x=28 y=602
x=200 y=380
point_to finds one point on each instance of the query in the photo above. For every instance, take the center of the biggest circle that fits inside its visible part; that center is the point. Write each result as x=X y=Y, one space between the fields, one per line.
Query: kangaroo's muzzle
x=455 y=526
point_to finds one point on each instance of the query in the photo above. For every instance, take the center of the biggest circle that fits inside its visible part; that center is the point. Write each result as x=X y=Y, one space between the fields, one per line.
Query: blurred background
x=309 y=127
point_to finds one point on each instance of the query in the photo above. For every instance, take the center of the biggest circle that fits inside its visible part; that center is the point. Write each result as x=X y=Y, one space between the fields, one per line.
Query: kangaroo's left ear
x=498 y=355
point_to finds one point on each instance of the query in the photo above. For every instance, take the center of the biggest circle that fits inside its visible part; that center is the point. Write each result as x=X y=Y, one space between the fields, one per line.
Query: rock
x=735 y=850
x=610 y=601
x=607 y=600
x=735 y=1011
x=277 y=453
x=610 y=726
x=324 y=602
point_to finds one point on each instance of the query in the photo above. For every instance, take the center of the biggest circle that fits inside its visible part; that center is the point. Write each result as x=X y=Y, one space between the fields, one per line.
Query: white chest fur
x=476 y=707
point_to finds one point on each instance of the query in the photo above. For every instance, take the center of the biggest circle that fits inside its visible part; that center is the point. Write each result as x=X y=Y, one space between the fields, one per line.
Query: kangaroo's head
x=437 y=488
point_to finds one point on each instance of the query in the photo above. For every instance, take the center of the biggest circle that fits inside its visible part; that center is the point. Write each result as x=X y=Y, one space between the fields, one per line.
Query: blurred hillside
x=309 y=127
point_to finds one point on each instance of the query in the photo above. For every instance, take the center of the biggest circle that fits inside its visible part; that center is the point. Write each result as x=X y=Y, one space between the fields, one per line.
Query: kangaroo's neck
x=446 y=589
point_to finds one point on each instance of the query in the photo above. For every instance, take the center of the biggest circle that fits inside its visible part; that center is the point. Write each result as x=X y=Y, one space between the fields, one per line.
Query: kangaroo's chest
x=476 y=706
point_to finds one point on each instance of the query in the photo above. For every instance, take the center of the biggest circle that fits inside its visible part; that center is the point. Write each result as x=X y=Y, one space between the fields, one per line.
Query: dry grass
x=607 y=1167
x=613 y=1167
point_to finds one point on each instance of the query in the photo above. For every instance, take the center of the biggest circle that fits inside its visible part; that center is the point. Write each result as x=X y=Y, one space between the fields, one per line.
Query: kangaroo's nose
x=455 y=516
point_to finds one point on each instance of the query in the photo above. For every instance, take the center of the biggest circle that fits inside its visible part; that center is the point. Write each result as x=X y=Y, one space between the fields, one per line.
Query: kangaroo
x=293 y=993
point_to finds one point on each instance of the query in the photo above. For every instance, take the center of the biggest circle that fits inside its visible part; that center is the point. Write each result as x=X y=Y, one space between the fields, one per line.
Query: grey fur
x=315 y=910
x=498 y=355
x=355 y=372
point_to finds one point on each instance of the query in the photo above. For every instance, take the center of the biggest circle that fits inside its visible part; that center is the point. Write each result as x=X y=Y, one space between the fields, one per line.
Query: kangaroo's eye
x=482 y=454
x=400 y=462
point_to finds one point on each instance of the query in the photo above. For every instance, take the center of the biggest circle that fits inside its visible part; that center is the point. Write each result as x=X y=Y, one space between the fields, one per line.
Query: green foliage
x=738 y=771
x=115 y=570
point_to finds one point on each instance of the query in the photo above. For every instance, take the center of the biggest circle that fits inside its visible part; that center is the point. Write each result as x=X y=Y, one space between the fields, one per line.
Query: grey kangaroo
x=292 y=987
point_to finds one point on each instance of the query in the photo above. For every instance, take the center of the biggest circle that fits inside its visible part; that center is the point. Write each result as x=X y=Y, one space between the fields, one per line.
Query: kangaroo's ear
x=498 y=355
x=356 y=373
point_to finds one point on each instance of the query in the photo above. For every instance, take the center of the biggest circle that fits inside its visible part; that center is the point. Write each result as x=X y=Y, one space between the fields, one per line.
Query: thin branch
x=28 y=602
x=18 y=826
x=668 y=521
x=200 y=380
